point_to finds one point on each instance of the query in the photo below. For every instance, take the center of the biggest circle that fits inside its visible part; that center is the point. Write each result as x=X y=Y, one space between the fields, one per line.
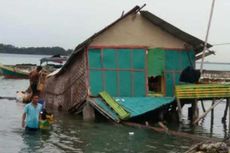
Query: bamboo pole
x=204 y=114
x=206 y=38
x=225 y=112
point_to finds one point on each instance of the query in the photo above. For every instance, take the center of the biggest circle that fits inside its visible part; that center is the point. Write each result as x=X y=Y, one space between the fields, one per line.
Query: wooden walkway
x=199 y=92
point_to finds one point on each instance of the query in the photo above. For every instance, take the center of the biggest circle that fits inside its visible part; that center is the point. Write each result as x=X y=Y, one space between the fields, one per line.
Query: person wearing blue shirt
x=30 y=117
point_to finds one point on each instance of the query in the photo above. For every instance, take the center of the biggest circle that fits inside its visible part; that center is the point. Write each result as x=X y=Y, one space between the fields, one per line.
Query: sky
x=66 y=23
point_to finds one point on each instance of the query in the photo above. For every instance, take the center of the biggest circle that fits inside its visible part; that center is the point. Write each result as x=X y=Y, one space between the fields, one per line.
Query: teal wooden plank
x=125 y=84
x=139 y=89
x=124 y=59
x=109 y=58
x=111 y=82
x=95 y=81
x=138 y=58
x=94 y=58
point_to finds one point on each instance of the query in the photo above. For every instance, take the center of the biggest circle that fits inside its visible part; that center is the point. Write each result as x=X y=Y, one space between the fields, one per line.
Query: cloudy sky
x=66 y=23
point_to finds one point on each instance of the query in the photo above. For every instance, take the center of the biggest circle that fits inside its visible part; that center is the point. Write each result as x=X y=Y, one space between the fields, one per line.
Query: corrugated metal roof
x=140 y=105
x=136 y=106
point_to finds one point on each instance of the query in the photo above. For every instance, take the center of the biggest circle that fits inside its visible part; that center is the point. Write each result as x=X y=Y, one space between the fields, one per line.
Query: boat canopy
x=59 y=60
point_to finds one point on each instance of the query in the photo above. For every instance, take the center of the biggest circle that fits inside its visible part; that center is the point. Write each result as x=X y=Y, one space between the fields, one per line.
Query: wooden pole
x=212 y=117
x=228 y=100
x=171 y=132
x=179 y=110
x=202 y=105
x=195 y=113
x=225 y=112
x=204 y=114
x=9 y=98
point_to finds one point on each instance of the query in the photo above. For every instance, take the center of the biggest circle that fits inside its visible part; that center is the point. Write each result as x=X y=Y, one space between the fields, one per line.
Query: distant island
x=10 y=49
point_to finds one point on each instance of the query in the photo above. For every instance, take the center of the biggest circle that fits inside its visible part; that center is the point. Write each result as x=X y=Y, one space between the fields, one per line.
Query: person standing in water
x=31 y=115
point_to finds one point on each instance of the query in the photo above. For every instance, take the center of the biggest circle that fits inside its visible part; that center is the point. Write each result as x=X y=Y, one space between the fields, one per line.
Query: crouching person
x=46 y=119
x=31 y=115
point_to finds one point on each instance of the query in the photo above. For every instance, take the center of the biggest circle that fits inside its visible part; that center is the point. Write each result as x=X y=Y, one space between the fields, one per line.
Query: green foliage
x=10 y=49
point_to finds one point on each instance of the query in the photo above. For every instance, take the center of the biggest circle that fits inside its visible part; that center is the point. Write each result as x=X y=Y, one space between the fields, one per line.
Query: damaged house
x=127 y=69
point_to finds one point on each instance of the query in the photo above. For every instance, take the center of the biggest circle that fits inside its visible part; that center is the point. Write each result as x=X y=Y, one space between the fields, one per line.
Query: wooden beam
x=9 y=98
x=195 y=111
x=225 y=112
x=204 y=114
x=171 y=132
x=206 y=54
x=202 y=105
x=228 y=101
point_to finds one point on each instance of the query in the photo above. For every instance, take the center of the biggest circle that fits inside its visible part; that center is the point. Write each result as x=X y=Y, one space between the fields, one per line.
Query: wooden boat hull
x=11 y=73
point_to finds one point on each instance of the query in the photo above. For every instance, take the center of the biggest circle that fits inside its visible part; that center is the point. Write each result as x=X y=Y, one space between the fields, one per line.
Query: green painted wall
x=120 y=72
x=156 y=62
x=176 y=61
x=169 y=63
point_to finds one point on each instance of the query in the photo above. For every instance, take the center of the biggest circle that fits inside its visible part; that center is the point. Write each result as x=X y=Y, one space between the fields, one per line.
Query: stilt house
x=137 y=60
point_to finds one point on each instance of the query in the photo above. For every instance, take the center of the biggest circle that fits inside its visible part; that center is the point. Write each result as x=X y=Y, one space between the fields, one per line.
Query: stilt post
x=195 y=110
x=202 y=105
x=212 y=117
x=228 y=100
x=225 y=111
x=179 y=110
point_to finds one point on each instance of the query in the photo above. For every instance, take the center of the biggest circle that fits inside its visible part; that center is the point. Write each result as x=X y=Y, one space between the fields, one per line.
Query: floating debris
x=209 y=147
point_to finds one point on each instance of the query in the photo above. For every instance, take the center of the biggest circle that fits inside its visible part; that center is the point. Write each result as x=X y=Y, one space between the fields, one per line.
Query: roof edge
x=197 y=43
x=85 y=43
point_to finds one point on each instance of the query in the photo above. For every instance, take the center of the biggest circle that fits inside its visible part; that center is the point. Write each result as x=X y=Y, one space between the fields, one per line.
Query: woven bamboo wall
x=68 y=89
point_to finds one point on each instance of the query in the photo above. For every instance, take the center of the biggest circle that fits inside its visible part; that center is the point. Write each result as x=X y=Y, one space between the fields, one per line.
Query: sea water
x=70 y=133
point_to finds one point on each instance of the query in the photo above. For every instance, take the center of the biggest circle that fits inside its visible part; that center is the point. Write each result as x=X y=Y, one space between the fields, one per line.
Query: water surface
x=70 y=134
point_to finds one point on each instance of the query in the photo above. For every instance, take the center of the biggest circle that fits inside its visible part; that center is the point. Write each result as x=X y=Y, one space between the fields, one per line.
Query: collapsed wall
x=67 y=90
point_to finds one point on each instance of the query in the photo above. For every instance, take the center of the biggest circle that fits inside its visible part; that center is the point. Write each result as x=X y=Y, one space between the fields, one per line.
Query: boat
x=12 y=72
x=21 y=71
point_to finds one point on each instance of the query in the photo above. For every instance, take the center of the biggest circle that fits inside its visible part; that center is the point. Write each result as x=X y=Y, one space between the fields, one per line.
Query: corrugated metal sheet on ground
x=135 y=105
x=107 y=110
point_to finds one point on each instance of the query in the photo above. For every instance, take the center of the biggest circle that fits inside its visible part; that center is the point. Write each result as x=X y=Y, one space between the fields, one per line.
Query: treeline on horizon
x=10 y=49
